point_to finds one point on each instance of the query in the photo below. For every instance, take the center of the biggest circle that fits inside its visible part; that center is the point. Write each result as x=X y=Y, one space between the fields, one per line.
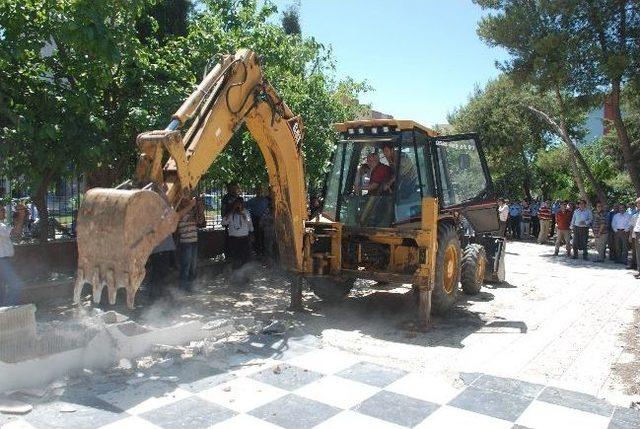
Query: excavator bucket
x=116 y=232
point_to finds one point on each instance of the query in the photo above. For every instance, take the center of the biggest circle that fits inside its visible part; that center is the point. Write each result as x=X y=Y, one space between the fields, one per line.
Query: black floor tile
x=286 y=376
x=295 y=412
x=491 y=403
x=576 y=400
x=371 y=373
x=191 y=413
x=508 y=385
x=625 y=418
x=395 y=408
x=88 y=413
x=206 y=382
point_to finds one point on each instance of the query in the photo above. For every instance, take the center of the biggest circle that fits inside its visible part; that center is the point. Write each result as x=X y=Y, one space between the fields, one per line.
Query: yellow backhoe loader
x=118 y=228
x=385 y=230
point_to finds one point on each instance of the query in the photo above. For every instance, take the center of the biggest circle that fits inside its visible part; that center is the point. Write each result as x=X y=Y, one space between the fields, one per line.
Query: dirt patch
x=627 y=368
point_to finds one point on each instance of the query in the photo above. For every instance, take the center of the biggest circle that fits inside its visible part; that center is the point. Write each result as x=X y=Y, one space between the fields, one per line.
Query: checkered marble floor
x=322 y=388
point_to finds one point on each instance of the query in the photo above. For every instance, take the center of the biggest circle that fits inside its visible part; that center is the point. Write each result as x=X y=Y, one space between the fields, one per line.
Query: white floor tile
x=17 y=424
x=543 y=415
x=242 y=394
x=426 y=388
x=144 y=397
x=451 y=417
x=337 y=391
x=244 y=421
x=132 y=422
x=351 y=419
x=325 y=361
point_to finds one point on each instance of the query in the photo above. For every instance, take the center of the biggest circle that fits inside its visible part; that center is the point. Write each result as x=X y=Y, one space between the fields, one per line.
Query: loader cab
x=382 y=169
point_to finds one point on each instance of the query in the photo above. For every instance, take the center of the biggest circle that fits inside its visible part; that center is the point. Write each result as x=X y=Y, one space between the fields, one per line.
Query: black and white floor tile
x=306 y=387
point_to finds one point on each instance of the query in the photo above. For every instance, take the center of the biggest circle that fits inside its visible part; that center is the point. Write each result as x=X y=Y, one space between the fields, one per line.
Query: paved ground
x=556 y=346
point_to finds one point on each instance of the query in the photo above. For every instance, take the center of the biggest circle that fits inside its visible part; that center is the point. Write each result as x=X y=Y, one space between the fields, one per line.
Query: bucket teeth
x=117 y=230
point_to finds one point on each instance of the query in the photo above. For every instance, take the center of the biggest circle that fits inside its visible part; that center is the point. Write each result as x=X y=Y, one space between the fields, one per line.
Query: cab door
x=463 y=180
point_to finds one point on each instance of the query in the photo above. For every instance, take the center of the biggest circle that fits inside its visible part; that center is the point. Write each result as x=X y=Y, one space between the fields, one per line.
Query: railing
x=62 y=205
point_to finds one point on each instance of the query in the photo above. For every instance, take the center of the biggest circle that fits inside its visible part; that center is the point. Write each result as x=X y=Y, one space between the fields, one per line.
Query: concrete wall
x=39 y=261
x=33 y=261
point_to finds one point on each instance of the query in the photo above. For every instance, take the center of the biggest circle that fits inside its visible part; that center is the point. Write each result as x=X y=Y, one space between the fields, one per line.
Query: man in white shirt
x=620 y=225
x=580 y=223
x=503 y=217
x=635 y=233
x=8 y=278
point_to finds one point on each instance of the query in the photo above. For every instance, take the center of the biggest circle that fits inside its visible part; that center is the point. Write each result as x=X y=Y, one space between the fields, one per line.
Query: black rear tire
x=330 y=289
x=445 y=289
x=474 y=265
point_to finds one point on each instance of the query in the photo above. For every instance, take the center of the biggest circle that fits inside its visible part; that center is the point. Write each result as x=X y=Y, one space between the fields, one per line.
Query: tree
x=609 y=36
x=291 y=19
x=81 y=79
x=78 y=84
x=301 y=70
x=546 y=54
x=511 y=135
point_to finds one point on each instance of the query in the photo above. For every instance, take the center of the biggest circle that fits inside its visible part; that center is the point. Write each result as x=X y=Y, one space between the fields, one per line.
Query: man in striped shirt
x=188 y=248
x=544 y=213
x=600 y=228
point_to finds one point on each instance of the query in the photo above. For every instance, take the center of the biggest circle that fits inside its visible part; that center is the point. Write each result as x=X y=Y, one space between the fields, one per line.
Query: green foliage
x=555 y=176
x=291 y=19
x=510 y=134
x=301 y=70
x=80 y=79
x=578 y=50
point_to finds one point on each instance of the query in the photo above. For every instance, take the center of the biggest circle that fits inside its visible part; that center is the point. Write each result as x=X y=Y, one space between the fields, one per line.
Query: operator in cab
x=380 y=174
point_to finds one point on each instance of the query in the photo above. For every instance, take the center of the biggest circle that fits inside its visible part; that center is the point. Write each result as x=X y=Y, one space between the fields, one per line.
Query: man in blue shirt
x=535 y=221
x=515 y=213
x=257 y=207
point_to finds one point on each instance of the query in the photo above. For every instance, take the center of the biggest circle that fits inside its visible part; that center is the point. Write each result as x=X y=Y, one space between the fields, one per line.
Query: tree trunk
x=578 y=178
x=40 y=200
x=526 y=177
x=561 y=131
x=623 y=138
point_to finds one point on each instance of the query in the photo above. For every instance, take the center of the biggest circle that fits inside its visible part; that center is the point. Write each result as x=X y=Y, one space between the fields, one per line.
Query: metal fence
x=63 y=200
x=213 y=205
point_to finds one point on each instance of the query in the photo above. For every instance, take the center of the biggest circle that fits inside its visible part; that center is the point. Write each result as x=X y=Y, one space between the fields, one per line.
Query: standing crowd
x=248 y=233
x=615 y=231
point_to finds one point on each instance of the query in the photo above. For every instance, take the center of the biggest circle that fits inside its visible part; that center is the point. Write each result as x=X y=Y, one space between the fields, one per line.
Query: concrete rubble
x=32 y=356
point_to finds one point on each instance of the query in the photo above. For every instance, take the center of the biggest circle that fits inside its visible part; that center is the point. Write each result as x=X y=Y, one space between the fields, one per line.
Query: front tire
x=448 y=259
x=474 y=266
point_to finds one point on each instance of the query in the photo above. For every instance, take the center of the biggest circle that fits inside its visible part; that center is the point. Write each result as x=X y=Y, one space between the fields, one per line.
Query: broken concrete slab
x=90 y=343
x=12 y=406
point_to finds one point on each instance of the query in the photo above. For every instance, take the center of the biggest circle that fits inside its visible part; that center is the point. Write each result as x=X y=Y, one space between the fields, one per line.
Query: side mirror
x=464 y=161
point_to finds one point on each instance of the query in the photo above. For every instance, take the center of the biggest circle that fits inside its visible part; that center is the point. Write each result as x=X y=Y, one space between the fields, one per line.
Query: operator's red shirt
x=380 y=174
x=563 y=220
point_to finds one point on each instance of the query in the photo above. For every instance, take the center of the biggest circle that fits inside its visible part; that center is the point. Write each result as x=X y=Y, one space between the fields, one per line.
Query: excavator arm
x=118 y=228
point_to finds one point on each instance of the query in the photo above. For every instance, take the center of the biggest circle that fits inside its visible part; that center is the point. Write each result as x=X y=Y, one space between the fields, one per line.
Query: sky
x=423 y=58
